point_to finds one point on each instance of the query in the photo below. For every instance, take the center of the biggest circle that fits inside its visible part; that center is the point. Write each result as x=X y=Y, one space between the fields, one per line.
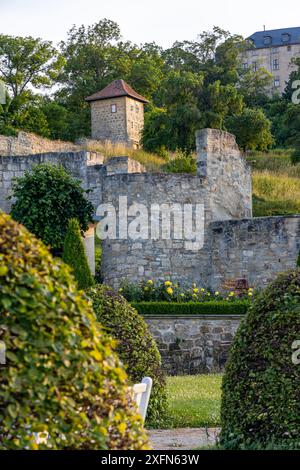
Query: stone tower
x=117 y=114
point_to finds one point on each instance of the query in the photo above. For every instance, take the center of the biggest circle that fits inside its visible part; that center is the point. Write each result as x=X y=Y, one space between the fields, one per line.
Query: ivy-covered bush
x=61 y=375
x=261 y=387
x=74 y=255
x=46 y=198
x=135 y=345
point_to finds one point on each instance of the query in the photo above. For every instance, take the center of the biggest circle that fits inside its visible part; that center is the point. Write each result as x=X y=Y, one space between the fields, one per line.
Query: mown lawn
x=194 y=401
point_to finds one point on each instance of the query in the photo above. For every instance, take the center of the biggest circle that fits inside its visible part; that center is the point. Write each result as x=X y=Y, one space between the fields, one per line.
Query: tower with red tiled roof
x=117 y=114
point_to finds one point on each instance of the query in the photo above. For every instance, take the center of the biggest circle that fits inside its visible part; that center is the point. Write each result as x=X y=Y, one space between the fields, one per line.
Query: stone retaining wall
x=193 y=344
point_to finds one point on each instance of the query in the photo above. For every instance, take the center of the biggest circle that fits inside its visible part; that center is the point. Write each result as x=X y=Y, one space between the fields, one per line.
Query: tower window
x=113 y=108
x=275 y=64
x=276 y=82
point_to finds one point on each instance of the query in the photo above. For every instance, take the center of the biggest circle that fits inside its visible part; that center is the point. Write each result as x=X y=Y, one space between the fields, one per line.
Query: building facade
x=117 y=114
x=273 y=50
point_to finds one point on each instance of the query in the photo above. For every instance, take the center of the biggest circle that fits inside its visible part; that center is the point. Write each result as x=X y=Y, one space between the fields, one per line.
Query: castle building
x=274 y=51
x=117 y=114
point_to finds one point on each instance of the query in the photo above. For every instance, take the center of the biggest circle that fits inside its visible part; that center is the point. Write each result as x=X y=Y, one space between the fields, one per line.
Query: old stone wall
x=255 y=248
x=30 y=144
x=193 y=344
x=86 y=166
x=149 y=257
x=228 y=175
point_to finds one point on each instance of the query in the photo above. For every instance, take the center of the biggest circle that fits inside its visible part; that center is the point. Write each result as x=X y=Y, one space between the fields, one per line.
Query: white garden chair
x=141 y=394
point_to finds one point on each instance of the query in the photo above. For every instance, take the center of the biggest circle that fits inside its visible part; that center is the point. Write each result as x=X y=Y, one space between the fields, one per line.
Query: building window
x=254 y=66
x=285 y=37
x=245 y=65
x=274 y=50
x=267 y=40
x=137 y=109
x=289 y=48
x=113 y=108
x=275 y=64
x=276 y=82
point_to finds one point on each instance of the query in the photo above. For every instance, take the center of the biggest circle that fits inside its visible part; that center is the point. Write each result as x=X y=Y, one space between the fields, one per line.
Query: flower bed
x=167 y=291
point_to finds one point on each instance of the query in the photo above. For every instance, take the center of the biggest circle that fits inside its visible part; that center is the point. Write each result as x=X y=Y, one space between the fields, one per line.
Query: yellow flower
x=231 y=294
x=202 y=290
x=250 y=294
x=121 y=290
x=227 y=298
x=217 y=293
x=195 y=295
x=170 y=291
x=194 y=285
x=146 y=289
x=196 y=290
x=208 y=294
x=150 y=282
x=168 y=283
x=182 y=295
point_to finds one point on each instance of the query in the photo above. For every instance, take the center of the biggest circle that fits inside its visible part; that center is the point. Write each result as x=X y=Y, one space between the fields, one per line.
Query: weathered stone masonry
x=235 y=244
x=193 y=344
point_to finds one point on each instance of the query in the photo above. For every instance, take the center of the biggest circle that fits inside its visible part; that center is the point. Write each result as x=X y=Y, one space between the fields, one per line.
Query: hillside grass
x=276 y=183
x=151 y=161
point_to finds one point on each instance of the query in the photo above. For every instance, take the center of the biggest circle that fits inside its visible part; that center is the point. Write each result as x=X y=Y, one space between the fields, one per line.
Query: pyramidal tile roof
x=116 y=89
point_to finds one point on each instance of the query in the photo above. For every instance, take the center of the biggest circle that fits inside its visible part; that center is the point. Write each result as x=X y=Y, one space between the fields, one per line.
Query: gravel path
x=183 y=439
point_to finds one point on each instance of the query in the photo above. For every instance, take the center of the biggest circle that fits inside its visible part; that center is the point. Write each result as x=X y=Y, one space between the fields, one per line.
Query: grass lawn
x=194 y=401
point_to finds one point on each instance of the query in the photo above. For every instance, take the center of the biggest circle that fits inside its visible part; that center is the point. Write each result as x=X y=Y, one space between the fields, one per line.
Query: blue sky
x=162 y=21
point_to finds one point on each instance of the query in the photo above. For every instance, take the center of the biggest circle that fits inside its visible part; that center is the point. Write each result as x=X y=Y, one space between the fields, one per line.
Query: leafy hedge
x=238 y=307
x=135 y=345
x=61 y=376
x=261 y=387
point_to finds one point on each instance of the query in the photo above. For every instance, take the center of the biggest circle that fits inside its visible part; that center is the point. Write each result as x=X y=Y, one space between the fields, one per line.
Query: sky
x=161 y=21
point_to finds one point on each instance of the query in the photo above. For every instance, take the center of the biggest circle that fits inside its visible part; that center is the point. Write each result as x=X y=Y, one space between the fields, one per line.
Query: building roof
x=116 y=89
x=276 y=37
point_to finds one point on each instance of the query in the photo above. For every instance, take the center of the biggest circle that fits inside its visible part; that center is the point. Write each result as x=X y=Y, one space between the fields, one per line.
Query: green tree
x=74 y=255
x=46 y=198
x=252 y=129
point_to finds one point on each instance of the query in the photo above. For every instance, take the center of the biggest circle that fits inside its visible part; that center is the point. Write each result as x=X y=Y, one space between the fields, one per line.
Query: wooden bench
x=141 y=394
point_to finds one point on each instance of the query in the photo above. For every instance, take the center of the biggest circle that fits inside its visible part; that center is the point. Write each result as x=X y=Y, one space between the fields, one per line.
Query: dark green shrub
x=47 y=197
x=261 y=387
x=223 y=307
x=74 y=255
x=61 y=375
x=136 y=347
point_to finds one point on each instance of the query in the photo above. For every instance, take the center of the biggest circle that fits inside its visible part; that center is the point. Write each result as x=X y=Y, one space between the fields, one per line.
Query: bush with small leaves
x=46 y=198
x=135 y=345
x=261 y=388
x=62 y=377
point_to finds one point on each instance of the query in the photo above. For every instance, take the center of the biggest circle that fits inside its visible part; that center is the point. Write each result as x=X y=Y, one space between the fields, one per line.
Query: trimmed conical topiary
x=74 y=255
